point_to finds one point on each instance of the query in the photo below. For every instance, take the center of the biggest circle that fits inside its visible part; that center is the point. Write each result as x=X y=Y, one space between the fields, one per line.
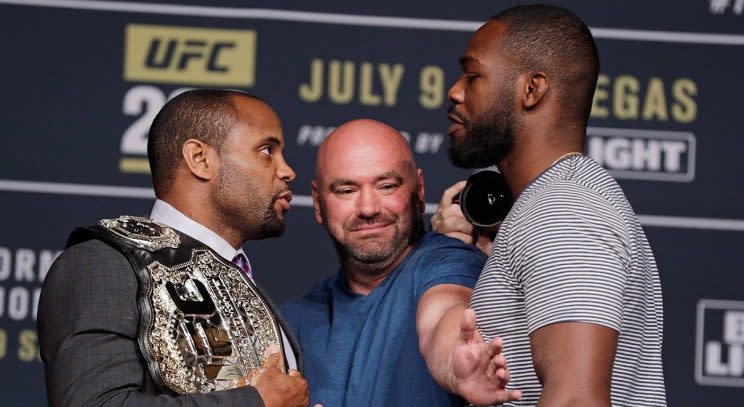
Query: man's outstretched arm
x=457 y=356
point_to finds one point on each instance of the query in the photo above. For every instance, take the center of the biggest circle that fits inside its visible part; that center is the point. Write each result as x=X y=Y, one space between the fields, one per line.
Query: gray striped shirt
x=572 y=250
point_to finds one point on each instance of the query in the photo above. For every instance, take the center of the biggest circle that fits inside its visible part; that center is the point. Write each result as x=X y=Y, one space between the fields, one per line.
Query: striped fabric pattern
x=573 y=250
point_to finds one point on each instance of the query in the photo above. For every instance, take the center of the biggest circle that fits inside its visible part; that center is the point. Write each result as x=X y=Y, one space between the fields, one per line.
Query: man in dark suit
x=220 y=179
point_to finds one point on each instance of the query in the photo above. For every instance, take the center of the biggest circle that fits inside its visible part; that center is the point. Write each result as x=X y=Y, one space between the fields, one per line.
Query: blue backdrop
x=81 y=81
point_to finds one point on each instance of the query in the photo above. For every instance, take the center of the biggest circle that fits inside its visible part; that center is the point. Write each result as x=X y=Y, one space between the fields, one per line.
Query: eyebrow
x=468 y=59
x=273 y=140
x=388 y=175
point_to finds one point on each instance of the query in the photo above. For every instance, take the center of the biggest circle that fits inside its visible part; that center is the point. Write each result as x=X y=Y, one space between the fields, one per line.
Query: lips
x=458 y=124
x=365 y=228
x=455 y=117
x=284 y=198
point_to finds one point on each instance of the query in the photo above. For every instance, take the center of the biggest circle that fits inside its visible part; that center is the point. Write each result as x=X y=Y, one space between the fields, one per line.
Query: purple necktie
x=240 y=261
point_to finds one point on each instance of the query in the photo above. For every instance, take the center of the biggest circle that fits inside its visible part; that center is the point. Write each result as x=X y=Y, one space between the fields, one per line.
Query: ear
x=200 y=159
x=420 y=188
x=535 y=86
x=316 y=203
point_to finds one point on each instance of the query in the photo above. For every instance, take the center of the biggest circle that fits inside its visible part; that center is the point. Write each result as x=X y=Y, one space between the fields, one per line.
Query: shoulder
x=439 y=259
x=435 y=248
x=567 y=205
x=92 y=259
x=316 y=297
x=90 y=286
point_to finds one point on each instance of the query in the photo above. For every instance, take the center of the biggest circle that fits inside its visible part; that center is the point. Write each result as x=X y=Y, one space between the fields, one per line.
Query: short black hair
x=556 y=41
x=207 y=115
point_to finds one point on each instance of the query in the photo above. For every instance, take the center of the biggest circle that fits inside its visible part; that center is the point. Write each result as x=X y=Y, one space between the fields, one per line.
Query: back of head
x=207 y=115
x=556 y=41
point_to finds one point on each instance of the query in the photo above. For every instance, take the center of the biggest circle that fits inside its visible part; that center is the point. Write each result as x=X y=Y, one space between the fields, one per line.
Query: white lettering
x=312 y=135
x=18 y=303
x=672 y=153
x=733 y=327
x=646 y=155
x=428 y=143
x=24 y=265
x=4 y=263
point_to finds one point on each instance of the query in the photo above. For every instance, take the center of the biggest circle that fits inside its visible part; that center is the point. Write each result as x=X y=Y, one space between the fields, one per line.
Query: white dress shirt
x=164 y=213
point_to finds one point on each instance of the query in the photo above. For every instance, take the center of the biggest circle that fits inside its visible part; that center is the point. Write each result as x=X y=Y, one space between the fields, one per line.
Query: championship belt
x=203 y=325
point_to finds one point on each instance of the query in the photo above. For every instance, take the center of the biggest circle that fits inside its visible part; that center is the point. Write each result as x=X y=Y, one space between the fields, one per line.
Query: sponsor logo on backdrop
x=726 y=7
x=191 y=56
x=644 y=154
x=719 y=344
x=22 y=271
x=640 y=154
x=188 y=56
x=423 y=142
x=373 y=84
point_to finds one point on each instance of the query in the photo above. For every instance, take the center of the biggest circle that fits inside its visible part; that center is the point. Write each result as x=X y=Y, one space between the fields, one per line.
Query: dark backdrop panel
x=666 y=122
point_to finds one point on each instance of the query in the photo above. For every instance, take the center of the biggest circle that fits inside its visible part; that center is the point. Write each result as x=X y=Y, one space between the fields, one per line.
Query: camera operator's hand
x=450 y=221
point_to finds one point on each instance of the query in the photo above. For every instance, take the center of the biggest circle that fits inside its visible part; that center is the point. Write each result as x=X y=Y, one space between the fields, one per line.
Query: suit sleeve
x=88 y=321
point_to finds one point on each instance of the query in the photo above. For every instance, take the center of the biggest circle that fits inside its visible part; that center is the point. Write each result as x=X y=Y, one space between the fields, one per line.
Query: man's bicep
x=573 y=361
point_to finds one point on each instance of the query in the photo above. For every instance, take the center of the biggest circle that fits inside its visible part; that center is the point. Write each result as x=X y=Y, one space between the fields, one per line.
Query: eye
x=344 y=192
x=388 y=187
x=265 y=150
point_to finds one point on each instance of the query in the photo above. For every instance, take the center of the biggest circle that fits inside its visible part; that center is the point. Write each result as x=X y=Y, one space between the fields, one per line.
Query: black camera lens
x=486 y=199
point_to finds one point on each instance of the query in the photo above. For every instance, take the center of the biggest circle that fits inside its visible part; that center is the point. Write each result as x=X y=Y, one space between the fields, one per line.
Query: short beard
x=381 y=254
x=489 y=139
x=272 y=225
x=246 y=216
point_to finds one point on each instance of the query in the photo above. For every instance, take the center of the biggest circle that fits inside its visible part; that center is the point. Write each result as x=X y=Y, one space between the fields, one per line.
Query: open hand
x=479 y=368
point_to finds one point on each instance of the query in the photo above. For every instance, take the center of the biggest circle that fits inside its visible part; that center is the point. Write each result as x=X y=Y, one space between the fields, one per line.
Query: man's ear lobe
x=316 y=202
x=199 y=158
x=535 y=88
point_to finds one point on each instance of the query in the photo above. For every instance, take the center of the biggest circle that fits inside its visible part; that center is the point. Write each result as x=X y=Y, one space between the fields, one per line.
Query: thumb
x=294 y=373
x=450 y=193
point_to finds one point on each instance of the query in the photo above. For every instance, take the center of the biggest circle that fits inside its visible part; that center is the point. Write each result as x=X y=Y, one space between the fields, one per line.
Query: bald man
x=398 y=289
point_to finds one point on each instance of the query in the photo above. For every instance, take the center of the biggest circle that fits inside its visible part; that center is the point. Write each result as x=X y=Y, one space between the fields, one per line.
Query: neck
x=363 y=277
x=534 y=152
x=193 y=202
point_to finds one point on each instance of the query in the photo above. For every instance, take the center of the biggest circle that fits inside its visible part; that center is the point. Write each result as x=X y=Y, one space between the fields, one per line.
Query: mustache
x=378 y=219
x=457 y=115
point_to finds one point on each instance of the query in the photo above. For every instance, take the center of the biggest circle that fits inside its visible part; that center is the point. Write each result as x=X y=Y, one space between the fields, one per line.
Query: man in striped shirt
x=571 y=285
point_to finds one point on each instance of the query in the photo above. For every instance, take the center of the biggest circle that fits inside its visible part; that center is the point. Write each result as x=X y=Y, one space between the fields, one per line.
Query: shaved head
x=363 y=137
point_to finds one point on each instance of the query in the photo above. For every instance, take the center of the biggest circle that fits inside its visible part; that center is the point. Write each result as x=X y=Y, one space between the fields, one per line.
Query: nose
x=456 y=94
x=285 y=172
x=368 y=203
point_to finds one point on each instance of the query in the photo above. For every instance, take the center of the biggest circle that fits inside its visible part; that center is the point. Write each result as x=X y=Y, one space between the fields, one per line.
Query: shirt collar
x=163 y=212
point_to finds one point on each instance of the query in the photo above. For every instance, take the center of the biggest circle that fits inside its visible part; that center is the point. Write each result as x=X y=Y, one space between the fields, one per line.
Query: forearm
x=437 y=347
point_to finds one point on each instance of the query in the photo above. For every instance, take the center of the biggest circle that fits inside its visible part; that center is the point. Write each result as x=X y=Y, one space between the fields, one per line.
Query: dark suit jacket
x=87 y=323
